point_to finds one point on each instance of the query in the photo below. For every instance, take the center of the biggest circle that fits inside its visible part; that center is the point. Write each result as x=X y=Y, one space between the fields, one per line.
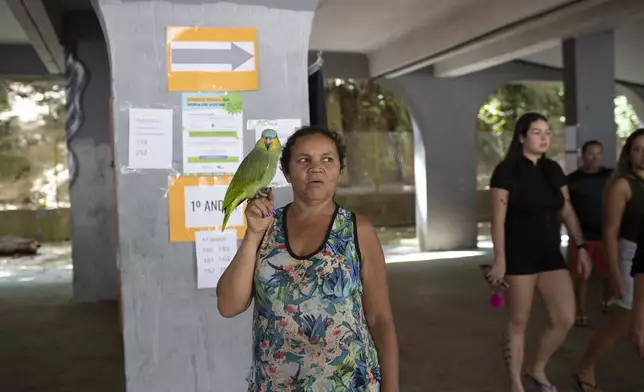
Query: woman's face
x=637 y=153
x=537 y=139
x=314 y=167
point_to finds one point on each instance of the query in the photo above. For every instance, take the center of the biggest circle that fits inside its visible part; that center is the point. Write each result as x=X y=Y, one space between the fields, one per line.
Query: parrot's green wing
x=249 y=178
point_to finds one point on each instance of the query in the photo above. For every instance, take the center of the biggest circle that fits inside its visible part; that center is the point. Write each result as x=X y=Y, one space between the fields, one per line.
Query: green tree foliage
x=365 y=106
x=375 y=125
x=498 y=115
x=29 y=147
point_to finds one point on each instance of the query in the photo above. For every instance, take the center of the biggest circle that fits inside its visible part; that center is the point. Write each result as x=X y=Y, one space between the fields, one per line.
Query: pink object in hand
x=496 y=300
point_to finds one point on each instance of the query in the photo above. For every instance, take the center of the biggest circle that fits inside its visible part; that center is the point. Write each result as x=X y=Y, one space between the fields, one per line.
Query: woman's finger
x=264 y=211
x=260 y=205
x=267 y=205
x=254 y=211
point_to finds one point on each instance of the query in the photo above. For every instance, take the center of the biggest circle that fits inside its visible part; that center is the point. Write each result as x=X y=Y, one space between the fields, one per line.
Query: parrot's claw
x=262 y=192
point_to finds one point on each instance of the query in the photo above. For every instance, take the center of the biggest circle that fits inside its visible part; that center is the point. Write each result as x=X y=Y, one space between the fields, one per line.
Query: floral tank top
x=310 y=333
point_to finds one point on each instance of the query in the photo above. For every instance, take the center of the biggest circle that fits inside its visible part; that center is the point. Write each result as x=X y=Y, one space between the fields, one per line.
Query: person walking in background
x=529 y=194
x=586 y=186
x=623 y=214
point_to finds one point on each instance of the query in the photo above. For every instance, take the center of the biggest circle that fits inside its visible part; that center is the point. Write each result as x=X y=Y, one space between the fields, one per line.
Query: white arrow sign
x=212 y=56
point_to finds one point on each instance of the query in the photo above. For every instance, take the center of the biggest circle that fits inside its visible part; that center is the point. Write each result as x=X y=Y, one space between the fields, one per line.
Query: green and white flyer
x=212 y=125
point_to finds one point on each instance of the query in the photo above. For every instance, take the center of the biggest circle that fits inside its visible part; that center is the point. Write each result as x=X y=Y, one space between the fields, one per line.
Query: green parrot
x=254 y=174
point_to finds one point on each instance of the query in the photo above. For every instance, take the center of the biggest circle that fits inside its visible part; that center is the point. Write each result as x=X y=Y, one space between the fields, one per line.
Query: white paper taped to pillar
x=284 y=128
x=212 y=133
x=215 y=251
x=150 y=138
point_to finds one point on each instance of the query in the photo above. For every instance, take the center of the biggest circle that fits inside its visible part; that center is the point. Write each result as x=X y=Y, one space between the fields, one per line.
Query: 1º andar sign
x=195 y=205
x=204 y=204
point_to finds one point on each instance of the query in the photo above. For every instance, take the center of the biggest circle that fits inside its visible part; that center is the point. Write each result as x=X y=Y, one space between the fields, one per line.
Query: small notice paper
x=150 y=138
x=215 y=251
x=284 y=128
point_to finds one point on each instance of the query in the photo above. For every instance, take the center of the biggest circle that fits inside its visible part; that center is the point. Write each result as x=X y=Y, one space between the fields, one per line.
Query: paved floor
x=449 y=335
x=48 y=344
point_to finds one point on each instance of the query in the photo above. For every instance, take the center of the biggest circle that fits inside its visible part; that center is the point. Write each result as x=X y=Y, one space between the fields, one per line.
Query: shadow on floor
x=47 y=343
x=449 y=335
x=61 y=348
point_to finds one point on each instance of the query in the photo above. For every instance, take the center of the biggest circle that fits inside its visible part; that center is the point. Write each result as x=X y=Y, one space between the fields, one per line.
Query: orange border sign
x=177 y=207
x=211 y=59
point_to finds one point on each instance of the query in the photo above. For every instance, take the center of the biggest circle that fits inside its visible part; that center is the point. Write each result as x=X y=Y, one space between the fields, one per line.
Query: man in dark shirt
x=586 y=187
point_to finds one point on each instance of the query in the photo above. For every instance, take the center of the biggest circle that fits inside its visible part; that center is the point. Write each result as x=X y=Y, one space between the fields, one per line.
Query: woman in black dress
x=637 y=321
x=529 y=195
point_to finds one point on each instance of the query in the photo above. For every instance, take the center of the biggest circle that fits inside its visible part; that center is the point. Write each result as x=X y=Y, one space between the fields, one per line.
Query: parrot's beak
x=268 y=143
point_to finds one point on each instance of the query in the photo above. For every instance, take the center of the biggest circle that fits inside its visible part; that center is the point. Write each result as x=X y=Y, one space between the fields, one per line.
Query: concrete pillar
x=445 y=112
x=444 y=117
x=91 y=187
x=174 y=338
x=589 y=86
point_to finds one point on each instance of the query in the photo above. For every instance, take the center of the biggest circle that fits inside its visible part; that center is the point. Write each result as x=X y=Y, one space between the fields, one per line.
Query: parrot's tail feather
x=226 y=216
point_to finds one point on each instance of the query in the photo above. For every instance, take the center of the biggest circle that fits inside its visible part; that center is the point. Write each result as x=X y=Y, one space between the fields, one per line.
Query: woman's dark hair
x=515 y=153
x=308 y=131
x=521 y=128
x=624 y=166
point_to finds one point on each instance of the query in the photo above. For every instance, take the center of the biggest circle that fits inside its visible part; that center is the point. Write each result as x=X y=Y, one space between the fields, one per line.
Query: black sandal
x=584 y=386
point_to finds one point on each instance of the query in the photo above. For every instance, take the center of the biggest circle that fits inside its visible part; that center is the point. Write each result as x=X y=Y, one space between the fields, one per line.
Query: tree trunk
x=10 y=246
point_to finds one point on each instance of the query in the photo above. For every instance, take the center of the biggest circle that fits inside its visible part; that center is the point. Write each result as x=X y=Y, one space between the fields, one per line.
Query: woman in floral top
x=322 y=319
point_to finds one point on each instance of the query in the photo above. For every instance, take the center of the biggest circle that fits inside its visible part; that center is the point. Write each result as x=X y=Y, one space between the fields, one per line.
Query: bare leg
x=606 y=294
x=581 y=290
x=603 y=340
x=519 y=304
x=556 y=290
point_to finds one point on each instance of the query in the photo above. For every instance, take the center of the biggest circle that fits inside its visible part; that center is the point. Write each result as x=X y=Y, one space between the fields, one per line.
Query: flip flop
x=584 y=386
x=543 y=387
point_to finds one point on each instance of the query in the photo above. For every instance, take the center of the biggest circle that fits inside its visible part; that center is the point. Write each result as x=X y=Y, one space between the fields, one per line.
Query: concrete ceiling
x=398 y=36
x=362 y=26
x=629 y=54
x=10 y=30
x=458 y=36
x=395 y=34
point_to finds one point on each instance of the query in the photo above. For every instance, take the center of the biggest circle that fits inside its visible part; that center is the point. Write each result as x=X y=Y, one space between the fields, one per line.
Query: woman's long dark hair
x=521 y=128
x=624 y=166
x=515 y=154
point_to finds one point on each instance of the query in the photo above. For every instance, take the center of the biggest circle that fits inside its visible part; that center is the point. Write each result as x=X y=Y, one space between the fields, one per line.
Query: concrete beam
x=34 y=20
x=343 y=65
x=496 y=45
x=20 y=60
x=488 y=57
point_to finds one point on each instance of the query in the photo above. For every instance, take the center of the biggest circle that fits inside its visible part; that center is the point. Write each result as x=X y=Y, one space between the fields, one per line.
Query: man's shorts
x=596 y=252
